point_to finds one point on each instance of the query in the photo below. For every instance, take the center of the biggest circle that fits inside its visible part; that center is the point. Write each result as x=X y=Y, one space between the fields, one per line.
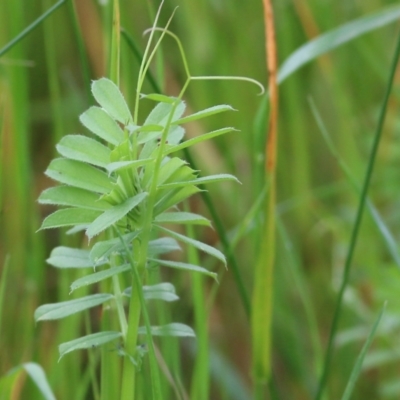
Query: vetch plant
x=127 y=182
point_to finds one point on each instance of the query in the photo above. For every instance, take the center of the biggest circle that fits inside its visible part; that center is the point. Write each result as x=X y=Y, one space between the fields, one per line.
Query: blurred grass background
x=44 y=88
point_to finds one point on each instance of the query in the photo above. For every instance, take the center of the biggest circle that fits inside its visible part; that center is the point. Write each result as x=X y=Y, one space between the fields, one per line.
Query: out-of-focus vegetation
x=328 y=114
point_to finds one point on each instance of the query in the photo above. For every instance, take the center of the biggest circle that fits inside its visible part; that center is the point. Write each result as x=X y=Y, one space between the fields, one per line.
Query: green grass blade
x=359 y=362
x=335 y=38
x=382 y=227
x=262 y=309
x=31 y=27
x=357 y=224
x=3 y=288
x=35 y=371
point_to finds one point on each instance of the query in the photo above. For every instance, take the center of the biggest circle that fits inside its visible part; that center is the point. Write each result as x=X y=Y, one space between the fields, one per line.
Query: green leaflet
x=98 y=276
x=181 y=218
x=87 y=342
x=101 y=124
x=67 y=257
x=185 y=266
x=195 y=243
x=72 y=197
x=69 y=217
x=162 y=246
x=108 y=95
x=114 y=214
x=101 y=251
x=174 y=197
x=160 y=113
x=197 y=139
x=82 y=148
x=201 y=181
x=205 y=113
x=162 y=291
x=66 y=308
x=159 y=98
x=119 y=165
x=173 y=329
x=78 y=174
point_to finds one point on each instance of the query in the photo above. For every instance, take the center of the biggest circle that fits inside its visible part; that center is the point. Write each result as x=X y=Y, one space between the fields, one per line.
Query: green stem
x=356 y=228
x=200 y=386
x=31 y=27
x=81 y=51
x=219 y=227
x=155 y=378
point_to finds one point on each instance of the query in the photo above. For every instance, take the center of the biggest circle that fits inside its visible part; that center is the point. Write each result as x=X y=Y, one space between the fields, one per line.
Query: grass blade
x=35 y=371
x=358 y=365
x=357 y=224
x=336 y=38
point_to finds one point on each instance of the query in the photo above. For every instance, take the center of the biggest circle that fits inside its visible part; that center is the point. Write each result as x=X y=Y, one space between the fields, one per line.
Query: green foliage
x=119 y=186
x=332 y=52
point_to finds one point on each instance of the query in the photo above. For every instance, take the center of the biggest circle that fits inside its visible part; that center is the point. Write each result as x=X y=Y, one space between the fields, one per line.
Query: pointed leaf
x=37 y=374
x=87 y=342
x=66 y=308
x=198 y=139
x=174 y=329
x=205 y=113
x=73 y=197
x=69 y=217
x=163 y=291
x=115 y=166
x=162 y=246
x=195 y=243
x=78 y=174
x=114 y=214
x=98 y=276
x=172 y=198
x=159 y=98
x=108 y=95
x=160 y=113
x=67 y=257
x=150 y=128
x=335 y=38
x=82 y=148
x=101 y=124
x=184 y=266
x=182 y=218
x=201 y=181
x=102 y=250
